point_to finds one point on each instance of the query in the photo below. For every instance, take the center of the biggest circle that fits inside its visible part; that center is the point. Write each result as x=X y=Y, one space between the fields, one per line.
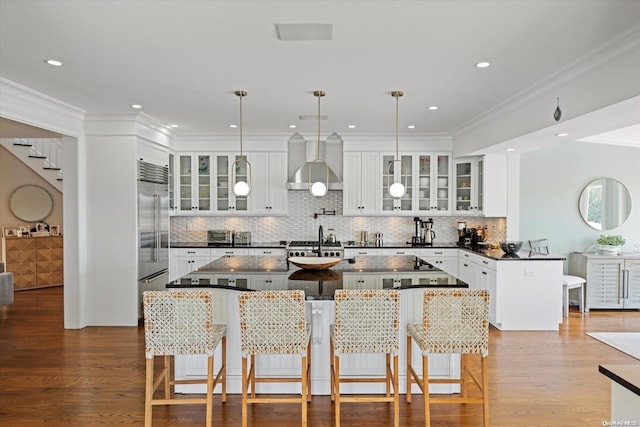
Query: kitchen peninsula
x=526 y=293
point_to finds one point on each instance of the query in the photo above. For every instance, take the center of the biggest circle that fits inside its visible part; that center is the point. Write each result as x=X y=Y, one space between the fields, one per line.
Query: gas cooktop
x=310 y=248
x=312 y=243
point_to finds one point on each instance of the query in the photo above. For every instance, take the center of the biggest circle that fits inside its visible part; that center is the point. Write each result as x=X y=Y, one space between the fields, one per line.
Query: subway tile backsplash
x=300 y=224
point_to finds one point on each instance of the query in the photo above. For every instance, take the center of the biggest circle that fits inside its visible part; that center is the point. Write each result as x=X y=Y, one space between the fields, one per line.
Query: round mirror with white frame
x=30 y=203
x=605 y=204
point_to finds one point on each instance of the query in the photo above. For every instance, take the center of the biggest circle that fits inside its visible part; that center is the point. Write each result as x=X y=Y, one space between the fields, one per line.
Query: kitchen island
x=226 y=277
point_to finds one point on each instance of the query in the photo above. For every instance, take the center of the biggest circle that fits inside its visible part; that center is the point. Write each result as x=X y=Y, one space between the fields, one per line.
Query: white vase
x=610 y=249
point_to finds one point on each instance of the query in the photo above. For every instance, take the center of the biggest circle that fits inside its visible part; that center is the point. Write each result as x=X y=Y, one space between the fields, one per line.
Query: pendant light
x=241 y=188
x=319 y=188
x=397 y=190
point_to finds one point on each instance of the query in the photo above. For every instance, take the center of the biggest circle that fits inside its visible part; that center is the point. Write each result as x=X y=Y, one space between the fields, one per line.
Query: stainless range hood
x=302 y=152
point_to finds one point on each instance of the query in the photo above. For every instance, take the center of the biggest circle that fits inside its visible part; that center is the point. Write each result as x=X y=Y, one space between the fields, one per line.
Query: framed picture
x=23 y=231
x=54 y=230
x=10 y=231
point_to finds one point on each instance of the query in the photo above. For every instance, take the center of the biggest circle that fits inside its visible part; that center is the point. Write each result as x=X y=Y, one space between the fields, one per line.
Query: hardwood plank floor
x=50 y=376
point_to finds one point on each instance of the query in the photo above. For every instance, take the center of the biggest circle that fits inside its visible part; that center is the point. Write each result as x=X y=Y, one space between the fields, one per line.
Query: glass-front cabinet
x=194 y=183
x=225 y=200
x=172 y=184
x=469 y=181
x=397 y=171
x=433 y=187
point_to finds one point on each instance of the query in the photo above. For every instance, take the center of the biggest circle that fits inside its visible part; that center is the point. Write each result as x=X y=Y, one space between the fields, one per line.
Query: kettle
x=331 y=238
x=428 y=235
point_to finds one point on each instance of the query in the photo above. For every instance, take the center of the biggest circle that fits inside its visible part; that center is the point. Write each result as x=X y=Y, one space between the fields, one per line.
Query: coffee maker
x=424 y=233
x=464 y=234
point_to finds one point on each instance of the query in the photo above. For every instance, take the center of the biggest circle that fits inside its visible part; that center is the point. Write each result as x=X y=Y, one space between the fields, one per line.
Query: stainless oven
x=310 y=248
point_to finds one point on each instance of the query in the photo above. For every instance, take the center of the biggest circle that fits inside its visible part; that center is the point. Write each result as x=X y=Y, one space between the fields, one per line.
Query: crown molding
x=25 y=105
x=627 y=42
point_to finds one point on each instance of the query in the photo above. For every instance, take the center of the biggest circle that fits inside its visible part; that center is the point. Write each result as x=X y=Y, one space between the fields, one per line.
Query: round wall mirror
x=30 y=203
x=605 y=204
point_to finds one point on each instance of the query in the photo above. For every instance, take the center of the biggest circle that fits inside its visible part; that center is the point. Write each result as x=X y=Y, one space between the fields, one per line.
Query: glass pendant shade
x=241 y=188
x=397 y=190
x=319 y=189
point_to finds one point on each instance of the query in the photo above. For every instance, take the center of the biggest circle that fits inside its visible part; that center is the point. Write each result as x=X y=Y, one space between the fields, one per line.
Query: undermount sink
x=314 y=263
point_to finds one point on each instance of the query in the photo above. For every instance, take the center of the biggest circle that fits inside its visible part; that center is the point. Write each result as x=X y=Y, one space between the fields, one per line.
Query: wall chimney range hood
x=303 y=151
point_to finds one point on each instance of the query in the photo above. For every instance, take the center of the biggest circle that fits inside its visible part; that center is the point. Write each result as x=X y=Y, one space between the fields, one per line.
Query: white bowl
x=314 y=263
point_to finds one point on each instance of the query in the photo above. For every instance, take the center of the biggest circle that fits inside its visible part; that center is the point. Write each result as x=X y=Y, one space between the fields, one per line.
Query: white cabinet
x=481 y=186
x=443 y=259
x=432 y=183
x=361 y=180
x=269 y=183
x=612 y=281
x=225 y=200
x=397 y=171
x=220 y=252
x=194 y=183
x=269 y=282
x=184 y=261
x=361 y=281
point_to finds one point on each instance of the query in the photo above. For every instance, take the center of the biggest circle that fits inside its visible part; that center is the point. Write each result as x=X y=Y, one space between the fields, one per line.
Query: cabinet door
x=225 y=200
x=361 y=184
x=194 y=183
x=269 y=183
x=632 y=291
x=464 y=185
x=185 y=201
x=397 y=171
x=172 y=185
x=604 y=284
x=441 y=184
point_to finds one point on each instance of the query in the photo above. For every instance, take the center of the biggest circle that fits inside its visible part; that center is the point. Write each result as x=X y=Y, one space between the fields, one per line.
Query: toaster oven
x=219 y=237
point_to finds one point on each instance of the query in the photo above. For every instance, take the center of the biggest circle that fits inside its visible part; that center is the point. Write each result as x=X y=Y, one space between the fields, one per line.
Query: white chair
x=454 y=321
x=568 y=282
x=181 y=322
x=366 y=322
x=274 y=323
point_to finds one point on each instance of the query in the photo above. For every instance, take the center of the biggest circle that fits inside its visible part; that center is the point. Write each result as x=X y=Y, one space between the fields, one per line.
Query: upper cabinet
x=433 y=184
x=362 y=183
x=204 y=181
x=397 y=171
x=194 y=183
x=368 y=175
x=225 y=200
x=481 y=186
x=268 y=183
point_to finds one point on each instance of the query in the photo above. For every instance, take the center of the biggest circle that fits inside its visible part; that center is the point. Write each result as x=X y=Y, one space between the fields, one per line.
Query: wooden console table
x=36 y=262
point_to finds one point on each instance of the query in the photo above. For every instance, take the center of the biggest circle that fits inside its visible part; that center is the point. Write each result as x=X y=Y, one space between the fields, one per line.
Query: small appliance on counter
x=424 y=235
x=242 y=238
x=219 y=237
x=471 y=236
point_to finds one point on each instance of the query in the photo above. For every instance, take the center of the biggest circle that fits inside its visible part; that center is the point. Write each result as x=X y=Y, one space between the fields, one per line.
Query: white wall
x=551 y=181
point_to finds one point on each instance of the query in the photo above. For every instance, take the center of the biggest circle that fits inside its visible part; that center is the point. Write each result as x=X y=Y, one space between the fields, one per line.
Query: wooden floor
x=95 y=376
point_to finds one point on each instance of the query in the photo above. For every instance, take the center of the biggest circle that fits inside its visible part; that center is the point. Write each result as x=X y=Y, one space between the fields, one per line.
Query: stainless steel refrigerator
x=153 y=228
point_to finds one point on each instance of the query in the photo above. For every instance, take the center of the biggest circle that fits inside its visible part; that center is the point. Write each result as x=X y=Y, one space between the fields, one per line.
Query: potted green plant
x=610 y=244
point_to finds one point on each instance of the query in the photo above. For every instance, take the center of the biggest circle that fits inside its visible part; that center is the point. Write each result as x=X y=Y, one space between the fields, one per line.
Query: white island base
x=320 y=315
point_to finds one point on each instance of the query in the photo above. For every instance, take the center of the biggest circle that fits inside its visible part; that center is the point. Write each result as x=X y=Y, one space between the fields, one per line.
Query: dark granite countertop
x=253 y=245
x=484 y=250
x=245 y=273
x=628 y=376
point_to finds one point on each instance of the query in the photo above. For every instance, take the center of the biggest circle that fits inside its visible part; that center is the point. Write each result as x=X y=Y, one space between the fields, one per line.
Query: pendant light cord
x=397 y=95
x=241 y=124
x=318 y=147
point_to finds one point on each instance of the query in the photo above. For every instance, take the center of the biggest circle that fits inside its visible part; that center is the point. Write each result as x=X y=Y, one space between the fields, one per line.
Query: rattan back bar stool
x=455 y=321
x=274 y=323
x=181 y=322
x=366 y=321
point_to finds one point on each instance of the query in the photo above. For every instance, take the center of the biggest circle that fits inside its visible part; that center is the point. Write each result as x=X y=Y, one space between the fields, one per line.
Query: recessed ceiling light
x=292 y=126
x=136 y=106
x=433 y=107
x=54 y=62
x=509 y=149
x=173 y=126
x=562 y=134
x=411 y=126
x=483 y=64
x=233 y=126
x=351 y=126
